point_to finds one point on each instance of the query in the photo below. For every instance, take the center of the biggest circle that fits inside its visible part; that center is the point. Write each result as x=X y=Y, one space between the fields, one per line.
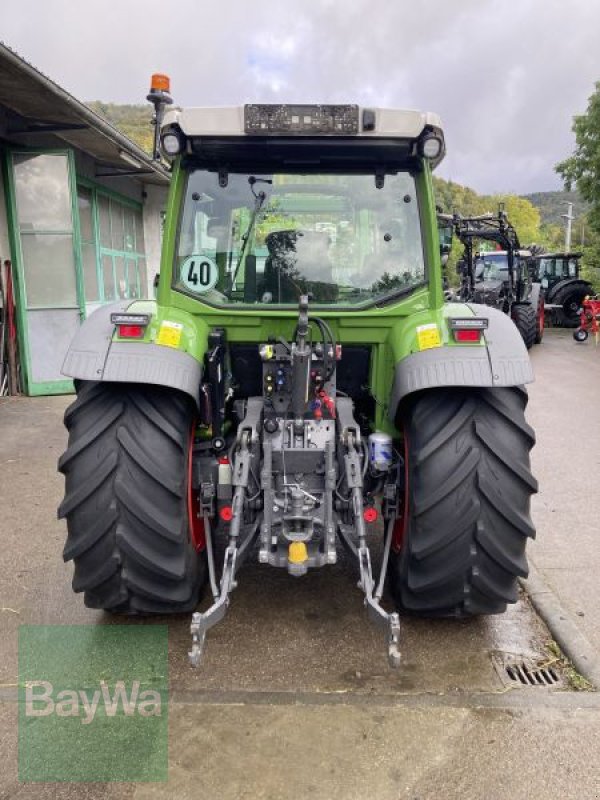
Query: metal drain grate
x=518 y=671
x=526 y=675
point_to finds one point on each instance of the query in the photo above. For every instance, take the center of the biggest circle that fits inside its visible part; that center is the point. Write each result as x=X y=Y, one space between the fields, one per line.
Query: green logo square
x=93 y=702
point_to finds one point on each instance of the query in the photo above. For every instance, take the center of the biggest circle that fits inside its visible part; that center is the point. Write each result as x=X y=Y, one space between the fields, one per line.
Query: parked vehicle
x=564 y=288
x=500 y=278
x=273 y=413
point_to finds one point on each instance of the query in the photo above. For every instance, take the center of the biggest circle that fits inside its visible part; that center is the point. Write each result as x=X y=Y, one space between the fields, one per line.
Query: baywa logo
x=93 y=702
x=40 y=701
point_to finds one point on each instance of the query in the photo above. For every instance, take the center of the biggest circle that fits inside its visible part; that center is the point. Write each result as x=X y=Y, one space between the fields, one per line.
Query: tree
x=590 y=248
x=523 y=216
x=583 y=167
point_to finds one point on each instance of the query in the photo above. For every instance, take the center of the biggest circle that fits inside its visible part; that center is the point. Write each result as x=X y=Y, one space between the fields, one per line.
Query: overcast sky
x=505 y=76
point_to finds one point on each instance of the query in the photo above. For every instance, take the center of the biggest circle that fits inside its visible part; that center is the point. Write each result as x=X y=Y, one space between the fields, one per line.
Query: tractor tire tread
x=580 y=288
x=468 y=517
x=525 y=318
x=125 y=501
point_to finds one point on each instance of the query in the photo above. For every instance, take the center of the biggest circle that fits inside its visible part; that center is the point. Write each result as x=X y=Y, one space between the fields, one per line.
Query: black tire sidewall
x=148 y=556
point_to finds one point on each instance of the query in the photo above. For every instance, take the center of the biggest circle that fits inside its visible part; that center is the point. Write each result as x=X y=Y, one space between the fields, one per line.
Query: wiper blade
x=258 y=203
x=404 y=291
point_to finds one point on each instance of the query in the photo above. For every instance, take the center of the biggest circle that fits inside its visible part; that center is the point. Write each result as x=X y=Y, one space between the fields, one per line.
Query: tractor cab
x=492 y=271
x=550 y=268
x=278 y=202
x=564 y=288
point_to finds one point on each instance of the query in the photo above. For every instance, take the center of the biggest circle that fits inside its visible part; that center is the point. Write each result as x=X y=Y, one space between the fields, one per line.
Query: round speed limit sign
x=199 y=273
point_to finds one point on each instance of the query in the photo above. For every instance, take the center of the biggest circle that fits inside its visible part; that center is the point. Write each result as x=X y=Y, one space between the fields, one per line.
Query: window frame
x=32 y=386
x=420 y=196
x=136 y=255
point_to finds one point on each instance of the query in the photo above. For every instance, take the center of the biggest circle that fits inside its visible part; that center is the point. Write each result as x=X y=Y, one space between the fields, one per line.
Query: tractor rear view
x=299 y=384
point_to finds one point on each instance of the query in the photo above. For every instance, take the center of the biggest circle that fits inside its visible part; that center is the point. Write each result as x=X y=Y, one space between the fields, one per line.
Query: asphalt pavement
x=294 y=698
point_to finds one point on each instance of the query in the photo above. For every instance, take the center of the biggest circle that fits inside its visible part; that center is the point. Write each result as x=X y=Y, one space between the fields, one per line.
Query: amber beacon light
x=160 y=86
x=160 y=83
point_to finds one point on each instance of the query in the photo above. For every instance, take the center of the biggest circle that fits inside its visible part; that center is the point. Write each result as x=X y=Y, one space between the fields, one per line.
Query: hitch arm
x=375 y=611
x=203 y=621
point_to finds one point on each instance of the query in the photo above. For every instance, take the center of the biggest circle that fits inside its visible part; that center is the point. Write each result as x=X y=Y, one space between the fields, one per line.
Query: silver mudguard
x=93 y=356
x=502 y=362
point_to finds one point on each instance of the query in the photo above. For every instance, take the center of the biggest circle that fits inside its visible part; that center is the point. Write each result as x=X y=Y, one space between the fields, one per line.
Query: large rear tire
x=571 y=297
x=525 y=318
x=126 y=499
x=467 y=516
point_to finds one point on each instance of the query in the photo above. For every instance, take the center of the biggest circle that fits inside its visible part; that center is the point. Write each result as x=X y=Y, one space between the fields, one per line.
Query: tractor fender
x=534 y=295
x=568 y=283
x=502 y=361
x=93 y=355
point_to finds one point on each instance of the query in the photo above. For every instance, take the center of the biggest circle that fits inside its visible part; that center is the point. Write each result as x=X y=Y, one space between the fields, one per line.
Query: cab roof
x=305 y=121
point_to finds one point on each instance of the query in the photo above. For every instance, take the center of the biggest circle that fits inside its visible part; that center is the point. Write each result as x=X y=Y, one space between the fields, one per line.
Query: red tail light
x=130 y=331
x=467 y=335
x=130 y=326
x=468 y=329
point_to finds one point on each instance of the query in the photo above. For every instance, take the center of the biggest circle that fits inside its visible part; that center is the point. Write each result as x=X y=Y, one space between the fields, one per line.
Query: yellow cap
x=297 y=553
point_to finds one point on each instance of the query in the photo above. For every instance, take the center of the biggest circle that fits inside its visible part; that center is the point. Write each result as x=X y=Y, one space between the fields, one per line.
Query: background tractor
x=564 y=288
x=299 y=383
x=500 y=278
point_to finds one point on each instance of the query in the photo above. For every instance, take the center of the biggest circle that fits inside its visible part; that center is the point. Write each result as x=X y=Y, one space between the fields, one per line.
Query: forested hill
x=552 y=204
x=453 y=197
x=133 y=120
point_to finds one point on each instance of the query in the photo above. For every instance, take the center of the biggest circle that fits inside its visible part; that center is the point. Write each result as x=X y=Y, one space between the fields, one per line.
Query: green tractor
x=298 y=384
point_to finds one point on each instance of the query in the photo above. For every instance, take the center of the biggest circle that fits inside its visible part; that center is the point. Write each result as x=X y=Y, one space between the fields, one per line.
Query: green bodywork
x=390 y=330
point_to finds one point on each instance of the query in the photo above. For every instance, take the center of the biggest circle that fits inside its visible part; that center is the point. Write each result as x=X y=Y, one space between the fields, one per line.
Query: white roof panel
x=229 y=121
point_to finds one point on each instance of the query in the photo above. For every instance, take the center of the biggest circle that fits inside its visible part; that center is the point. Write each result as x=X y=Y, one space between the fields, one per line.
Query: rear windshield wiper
x=397 y=293
x=259 y=199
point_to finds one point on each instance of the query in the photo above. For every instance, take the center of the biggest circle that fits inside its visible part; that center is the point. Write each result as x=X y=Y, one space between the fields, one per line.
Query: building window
x=112 y=247
x=89 y=260
x=45 y=225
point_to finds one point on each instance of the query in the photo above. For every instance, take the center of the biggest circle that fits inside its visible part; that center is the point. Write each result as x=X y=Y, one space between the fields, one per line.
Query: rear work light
x=130 y=326
x=468 y=329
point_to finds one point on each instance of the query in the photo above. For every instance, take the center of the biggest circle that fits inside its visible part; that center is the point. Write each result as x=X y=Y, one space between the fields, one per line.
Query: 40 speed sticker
x=199 y=273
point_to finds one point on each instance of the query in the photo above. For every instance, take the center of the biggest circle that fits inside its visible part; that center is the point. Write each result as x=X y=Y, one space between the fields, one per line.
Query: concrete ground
x=294 y=697
x=564 y=409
